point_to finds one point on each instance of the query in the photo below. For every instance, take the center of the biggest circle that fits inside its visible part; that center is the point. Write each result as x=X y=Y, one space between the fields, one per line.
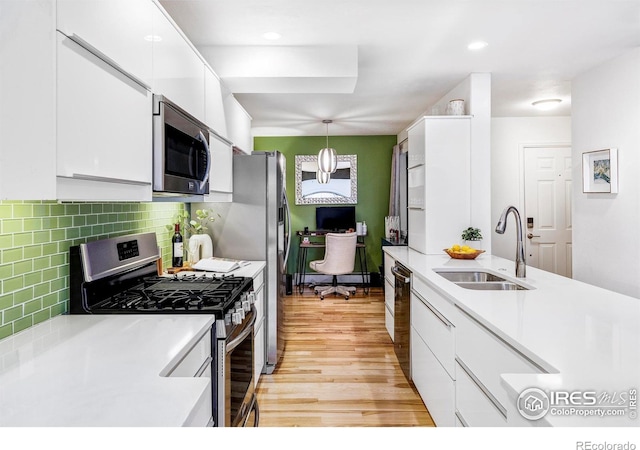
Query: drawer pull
x=204 y=367
x=461 y=419
x=494 y=401
x=511 y=347
x=435 y=312
x=86 y=177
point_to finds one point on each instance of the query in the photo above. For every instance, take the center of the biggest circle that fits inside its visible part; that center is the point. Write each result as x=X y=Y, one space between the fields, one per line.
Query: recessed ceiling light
x=271 y=36
x=152 y=38
x=547 y=104
x=477 y=45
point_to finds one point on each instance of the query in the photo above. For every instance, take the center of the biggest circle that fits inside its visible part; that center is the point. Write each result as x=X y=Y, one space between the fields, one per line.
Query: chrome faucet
x=521 y=266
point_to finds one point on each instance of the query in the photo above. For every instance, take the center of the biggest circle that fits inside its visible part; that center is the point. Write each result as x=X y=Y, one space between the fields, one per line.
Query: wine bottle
x=176 y=240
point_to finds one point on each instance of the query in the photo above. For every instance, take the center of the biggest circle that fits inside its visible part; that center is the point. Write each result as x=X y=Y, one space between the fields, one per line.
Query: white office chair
x=339 y=259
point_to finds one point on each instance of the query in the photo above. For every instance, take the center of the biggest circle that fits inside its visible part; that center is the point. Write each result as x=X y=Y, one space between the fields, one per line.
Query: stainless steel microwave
x=181 y=155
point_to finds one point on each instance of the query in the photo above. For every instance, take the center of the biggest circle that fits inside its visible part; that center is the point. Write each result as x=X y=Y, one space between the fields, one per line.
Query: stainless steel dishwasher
x=402 y=317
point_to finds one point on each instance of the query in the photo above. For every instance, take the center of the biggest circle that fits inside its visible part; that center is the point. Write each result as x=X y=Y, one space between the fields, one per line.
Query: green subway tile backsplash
x=34 y=250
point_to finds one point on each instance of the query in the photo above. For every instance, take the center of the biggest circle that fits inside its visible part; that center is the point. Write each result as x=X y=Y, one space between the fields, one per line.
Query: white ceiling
x=410 y=53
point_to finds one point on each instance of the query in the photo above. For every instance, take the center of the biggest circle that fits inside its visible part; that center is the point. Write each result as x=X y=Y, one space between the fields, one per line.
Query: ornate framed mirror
x=342 y=188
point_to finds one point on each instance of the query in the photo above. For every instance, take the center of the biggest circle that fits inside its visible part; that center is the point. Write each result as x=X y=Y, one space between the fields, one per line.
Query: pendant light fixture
x=327 y=158
x=322 y=177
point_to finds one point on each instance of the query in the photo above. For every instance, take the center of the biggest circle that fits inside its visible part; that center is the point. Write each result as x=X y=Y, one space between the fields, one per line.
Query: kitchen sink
x=475 y=277
x=481 y=281
x=492 y=286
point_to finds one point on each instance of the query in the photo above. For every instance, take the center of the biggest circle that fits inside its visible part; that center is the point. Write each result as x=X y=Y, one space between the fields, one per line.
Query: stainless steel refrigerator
x=257 y=226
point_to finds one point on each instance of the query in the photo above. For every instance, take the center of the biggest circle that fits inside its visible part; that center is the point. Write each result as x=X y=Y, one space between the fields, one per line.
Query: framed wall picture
x=600 y=171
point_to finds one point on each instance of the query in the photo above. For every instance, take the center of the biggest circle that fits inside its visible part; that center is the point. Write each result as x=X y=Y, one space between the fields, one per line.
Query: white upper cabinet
x=119 y=31
x=238 y=124
x=178 y=71
x=27 y=101
x=103 y=129
x=213 y=104
x=221 y=172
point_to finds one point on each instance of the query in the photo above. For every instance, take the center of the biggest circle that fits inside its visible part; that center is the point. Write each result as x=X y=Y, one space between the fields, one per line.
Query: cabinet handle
x=494 y=401
x=509 y=346
x=86 y=177
x=461 y=419
x=204 y=367
x=91 y=49
x=433 y=310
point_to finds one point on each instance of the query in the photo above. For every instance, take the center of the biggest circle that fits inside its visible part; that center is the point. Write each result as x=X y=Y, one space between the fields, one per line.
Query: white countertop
x=105 y=370
x=249 y=269
x=586 y=337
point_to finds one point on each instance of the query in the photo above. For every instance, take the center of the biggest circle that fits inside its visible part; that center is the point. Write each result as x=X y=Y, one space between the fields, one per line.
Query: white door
x=547 y=224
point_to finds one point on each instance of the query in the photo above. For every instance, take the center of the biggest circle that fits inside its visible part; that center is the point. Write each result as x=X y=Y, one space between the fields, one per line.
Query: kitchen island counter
x=582 y=337
x=106 y=370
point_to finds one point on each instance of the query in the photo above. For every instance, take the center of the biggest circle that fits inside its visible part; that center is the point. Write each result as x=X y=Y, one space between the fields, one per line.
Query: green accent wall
x=35 y=237
x=374 y=174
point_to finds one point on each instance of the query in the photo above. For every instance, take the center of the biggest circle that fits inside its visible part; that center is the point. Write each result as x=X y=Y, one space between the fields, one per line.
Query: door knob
x=531 y=235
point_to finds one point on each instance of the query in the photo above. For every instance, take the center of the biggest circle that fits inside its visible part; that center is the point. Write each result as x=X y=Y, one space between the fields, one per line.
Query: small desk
x=361 y=250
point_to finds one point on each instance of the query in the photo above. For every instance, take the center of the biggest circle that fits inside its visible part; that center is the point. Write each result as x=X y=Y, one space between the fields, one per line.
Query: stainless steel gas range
x=120 y=276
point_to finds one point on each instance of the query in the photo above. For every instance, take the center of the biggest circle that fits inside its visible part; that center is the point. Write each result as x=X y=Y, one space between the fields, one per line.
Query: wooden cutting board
x=172 y=270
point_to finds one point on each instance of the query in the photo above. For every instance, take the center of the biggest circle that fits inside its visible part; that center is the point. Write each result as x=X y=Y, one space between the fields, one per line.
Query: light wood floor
x=338 y=368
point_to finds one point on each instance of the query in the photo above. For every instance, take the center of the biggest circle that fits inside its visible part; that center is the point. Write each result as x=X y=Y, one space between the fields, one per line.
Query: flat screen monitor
x=335 y=218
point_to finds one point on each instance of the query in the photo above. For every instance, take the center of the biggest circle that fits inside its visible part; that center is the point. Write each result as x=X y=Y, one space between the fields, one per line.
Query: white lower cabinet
x=435 y=329
x=434 y=384
x=474 y=405
x=432 y=357
x=488 y=357
x=457 y=362
x=197 y=363
x=259 y=338
x=389 y=307
x=259 y=354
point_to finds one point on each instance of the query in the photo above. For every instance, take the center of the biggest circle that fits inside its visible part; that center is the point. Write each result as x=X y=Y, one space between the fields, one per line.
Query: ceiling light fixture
x=477 y=45
x=271 y=36
x=322 y=177
x=327 y=158
x=547 y=104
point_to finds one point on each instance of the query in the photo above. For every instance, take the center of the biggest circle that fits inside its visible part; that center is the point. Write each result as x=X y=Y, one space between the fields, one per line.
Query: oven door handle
x=256 y=416
x=248 y=328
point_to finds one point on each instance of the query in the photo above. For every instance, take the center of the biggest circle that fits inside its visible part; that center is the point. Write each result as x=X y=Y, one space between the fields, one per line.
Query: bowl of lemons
x=457 y=251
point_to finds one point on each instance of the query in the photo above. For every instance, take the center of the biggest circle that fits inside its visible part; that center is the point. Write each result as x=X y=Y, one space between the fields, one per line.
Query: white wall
x=606 y=227
x=508 y=134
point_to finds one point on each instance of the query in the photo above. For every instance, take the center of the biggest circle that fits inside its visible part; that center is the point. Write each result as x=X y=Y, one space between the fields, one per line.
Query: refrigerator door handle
x=286 y=205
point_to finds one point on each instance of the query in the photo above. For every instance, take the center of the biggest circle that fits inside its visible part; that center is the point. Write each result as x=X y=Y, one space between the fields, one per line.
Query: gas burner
x=190 y=294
